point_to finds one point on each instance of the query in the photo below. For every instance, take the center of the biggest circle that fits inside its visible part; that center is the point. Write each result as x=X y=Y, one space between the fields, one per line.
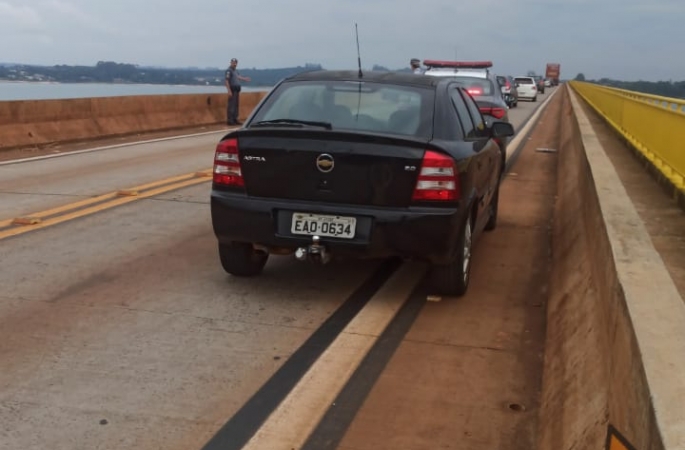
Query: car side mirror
x=502 y=129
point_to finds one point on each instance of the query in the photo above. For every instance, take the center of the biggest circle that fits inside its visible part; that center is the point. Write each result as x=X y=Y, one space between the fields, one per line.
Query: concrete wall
x=615 y=353
x=38 y=122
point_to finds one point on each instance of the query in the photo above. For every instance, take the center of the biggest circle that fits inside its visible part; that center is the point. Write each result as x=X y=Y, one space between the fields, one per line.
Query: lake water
x=40 y=91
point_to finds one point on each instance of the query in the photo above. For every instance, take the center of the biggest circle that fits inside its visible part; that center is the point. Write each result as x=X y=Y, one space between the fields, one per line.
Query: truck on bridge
x=552 y=73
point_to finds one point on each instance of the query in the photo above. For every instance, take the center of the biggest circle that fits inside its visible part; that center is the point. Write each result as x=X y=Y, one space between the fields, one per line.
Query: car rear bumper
x=422 y=233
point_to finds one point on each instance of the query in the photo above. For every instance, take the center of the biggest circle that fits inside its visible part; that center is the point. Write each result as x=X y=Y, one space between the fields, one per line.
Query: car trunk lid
x=332 y=167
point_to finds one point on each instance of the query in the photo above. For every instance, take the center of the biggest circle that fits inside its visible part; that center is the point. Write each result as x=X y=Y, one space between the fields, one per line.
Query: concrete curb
x=521 y=137
x=657 y=312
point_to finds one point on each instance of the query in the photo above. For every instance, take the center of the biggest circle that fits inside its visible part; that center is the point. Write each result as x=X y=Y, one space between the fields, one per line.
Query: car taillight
x=438 y=179
x=475 y=91
x=497 y=113
x=227 y=164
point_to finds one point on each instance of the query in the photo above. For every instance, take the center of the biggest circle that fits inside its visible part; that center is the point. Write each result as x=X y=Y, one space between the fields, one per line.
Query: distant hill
x=113 y=72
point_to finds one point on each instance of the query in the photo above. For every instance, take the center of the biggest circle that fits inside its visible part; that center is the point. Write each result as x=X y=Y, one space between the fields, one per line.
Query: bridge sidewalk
x=662 y=216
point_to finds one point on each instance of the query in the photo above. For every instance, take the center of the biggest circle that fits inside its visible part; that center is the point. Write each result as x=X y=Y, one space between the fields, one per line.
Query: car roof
x=375 y=76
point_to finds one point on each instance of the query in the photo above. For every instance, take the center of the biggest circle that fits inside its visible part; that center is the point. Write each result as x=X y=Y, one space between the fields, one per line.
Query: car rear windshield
x=477 y=86
x=353 y=105
x=525 y=81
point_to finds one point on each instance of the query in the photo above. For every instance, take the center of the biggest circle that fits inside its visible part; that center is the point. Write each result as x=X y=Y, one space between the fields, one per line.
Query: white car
x=527 y=88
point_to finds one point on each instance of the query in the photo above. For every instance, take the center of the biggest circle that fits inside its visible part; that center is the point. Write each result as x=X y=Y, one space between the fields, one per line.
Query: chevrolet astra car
x=359 y=165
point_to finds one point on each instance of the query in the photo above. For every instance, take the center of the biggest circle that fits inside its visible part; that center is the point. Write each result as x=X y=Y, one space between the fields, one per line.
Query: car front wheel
x=453 y=278
x=241 y=259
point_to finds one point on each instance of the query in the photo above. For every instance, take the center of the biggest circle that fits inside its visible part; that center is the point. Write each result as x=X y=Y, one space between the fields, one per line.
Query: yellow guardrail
x=654 y=125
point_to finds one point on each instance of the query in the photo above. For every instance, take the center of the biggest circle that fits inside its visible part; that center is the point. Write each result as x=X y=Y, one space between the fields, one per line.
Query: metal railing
x=654 y=125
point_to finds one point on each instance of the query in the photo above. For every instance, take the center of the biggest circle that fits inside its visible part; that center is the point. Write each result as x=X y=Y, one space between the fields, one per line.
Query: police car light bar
x=458 y=64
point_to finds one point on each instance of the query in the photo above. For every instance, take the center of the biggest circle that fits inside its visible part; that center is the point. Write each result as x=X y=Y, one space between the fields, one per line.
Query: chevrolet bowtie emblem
x=325 y=163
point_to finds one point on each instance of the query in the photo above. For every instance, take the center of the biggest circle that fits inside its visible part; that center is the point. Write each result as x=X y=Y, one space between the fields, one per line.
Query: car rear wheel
x=453 y=278
x=241 y=259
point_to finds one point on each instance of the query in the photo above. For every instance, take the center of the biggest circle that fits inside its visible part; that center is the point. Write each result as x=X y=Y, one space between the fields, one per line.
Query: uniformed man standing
x=415 y=64
x=233 y=79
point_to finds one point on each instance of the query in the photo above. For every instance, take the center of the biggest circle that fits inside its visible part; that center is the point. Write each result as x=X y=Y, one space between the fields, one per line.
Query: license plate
x=321 y=225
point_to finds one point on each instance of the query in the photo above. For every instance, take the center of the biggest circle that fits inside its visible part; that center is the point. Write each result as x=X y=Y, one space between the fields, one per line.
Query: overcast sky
x=621 y=39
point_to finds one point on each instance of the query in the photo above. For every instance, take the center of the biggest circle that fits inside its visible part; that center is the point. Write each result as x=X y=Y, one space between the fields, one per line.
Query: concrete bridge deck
x=119 y=330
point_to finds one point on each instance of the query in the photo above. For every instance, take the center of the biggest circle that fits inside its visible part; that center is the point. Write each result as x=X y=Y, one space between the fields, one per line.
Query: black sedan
x=385 y=164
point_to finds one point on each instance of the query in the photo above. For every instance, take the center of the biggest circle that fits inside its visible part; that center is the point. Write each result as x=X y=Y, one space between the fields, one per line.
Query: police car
x=480 y=81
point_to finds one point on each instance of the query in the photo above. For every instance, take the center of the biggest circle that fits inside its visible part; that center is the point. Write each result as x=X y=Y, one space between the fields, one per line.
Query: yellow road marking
x=100 y=198
x=115 y=199
x=127 y=193
x=26 y=221
x=70 y=206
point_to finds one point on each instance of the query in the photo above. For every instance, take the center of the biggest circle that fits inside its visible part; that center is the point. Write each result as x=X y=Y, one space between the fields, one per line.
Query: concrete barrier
x=615 y=353
x=39 y=122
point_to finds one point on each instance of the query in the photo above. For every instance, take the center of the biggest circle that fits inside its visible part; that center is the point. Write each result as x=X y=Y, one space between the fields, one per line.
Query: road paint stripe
x=116 y=201
x=110 y=147
x=332 y=428
x=242 y=426
x=296 y=417
x=103 y=197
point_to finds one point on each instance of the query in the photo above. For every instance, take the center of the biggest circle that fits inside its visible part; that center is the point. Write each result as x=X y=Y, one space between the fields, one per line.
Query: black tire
x=241 y=259
x=453 y=278
x=494 y=207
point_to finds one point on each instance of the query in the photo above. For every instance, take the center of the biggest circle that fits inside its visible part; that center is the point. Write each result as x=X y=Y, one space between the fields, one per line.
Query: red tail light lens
x=438 y=179
x=475 y=91
x=227 y=164
x=497 y=113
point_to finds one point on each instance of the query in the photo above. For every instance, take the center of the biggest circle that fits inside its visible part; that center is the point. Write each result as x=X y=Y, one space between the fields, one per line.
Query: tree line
x=672 y=89
x=113 y=72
